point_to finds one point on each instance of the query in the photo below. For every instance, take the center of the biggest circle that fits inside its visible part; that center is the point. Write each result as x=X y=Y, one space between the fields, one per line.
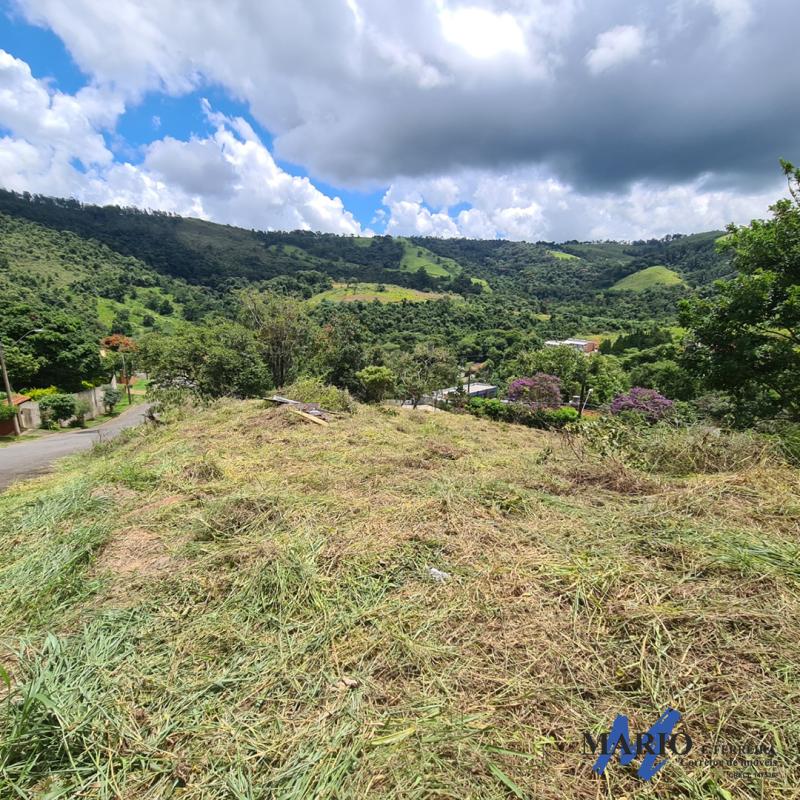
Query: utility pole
x=7 y=386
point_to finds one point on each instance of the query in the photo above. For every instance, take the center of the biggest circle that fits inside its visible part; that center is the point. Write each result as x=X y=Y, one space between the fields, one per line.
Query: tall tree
x=424 y=370
x=745 y=339
x=283 y=328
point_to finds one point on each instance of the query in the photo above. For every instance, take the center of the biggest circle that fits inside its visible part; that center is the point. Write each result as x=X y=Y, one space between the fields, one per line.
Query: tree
x=746 y=338
x=56 y=408
x=22 y=366
x=221 y=359
x=667 y=377
x=540 y=391
x=578 y=372
x=122 y=349
x=283 y=329
x=65 y=350
x=647 y=402
x=339 y=351
x=377 y=383
x=424 y=370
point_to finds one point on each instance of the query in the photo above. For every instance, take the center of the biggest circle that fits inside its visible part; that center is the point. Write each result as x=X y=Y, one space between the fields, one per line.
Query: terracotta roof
x=18 y=399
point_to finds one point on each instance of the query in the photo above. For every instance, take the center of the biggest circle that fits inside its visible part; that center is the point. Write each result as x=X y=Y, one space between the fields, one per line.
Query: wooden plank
x=309 y=417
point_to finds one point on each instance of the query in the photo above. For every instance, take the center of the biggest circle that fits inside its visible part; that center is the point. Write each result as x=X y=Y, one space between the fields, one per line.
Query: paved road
x=26 y=458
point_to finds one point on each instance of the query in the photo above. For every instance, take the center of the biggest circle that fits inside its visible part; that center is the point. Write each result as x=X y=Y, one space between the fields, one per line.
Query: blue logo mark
x=654 y=745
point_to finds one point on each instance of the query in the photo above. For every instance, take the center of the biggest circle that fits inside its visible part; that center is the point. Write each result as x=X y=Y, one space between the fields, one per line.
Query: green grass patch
x=647 y=279
x=416 y=257
x=367 y=292
x=239 y=604
x=562 y=256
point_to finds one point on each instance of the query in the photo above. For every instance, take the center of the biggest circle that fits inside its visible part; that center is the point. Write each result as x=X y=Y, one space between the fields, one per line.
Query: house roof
x=580 y=342
x=19 y=399
x=474 y=388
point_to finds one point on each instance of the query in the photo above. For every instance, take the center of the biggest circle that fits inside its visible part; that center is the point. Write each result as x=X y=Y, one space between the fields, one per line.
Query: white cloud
x=532 y=205
x=524 y=96
x=614 y=47
x=482 y=33
x=63 y=126
x=228 y=176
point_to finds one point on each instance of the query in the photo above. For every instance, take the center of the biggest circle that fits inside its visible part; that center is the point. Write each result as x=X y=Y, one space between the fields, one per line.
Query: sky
x=520 y=119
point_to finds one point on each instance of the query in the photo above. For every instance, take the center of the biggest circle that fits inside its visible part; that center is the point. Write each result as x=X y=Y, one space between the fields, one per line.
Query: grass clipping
x=239 y=606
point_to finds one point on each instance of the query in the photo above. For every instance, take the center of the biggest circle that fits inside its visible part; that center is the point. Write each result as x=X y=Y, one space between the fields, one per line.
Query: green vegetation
x=746 y=337
x=417 y=257
x=240 y=604
x=561 y=256
x=647 y=279
x=367 y=292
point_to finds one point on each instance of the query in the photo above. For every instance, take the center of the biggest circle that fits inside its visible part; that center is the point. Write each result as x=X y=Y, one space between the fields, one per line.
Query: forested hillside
x=89 y=272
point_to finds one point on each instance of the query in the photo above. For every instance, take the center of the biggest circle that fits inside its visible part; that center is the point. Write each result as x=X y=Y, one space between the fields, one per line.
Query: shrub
x=82 y=408
x=7 y=412
x=522 y=414
x=56 y=408
x=647 y=402
x=786 y=436
x=378 y=382
x=313 y=390
x=38 y=394
x=111 y=397
x=541 y=391
x=668 y=450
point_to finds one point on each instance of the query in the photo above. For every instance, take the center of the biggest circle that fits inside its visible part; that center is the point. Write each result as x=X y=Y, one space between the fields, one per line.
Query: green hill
x=647 y=279
x=242 y=605
x=62 y=269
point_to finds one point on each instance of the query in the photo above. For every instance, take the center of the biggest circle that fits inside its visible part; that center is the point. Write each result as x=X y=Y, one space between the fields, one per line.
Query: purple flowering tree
x=540 y=391
x=647 y=402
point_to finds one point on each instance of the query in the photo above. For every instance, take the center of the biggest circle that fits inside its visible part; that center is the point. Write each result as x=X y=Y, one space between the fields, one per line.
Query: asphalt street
x=34 y=457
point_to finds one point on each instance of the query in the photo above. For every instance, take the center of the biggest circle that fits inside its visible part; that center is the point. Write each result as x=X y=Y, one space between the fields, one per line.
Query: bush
x=82 y=408
x=522 y=414
x=7 y=412
x=541 y=391
x=786 y=436
x=56 y=408
x=313 y=390
x=647 y=402
x=111 y=397
x=38 y=394
x=378 y=382
x=663 y=448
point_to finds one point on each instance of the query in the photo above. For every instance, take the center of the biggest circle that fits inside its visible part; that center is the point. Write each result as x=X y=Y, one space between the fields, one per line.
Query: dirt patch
x=135 y=552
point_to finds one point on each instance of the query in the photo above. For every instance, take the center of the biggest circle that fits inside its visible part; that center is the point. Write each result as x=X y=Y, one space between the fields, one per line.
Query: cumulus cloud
x=533 y=205
x=596 y=99
x=360 y=92
x=620 y=44
x=56 y=146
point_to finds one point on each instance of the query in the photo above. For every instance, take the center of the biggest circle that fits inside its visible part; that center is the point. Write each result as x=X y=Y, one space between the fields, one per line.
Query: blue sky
x=477 y=118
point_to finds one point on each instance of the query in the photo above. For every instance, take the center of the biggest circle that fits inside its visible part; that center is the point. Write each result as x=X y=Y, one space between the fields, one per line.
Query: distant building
x=584 y=345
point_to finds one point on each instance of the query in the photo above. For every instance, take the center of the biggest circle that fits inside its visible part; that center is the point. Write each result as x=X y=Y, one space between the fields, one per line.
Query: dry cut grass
x=240 y=605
